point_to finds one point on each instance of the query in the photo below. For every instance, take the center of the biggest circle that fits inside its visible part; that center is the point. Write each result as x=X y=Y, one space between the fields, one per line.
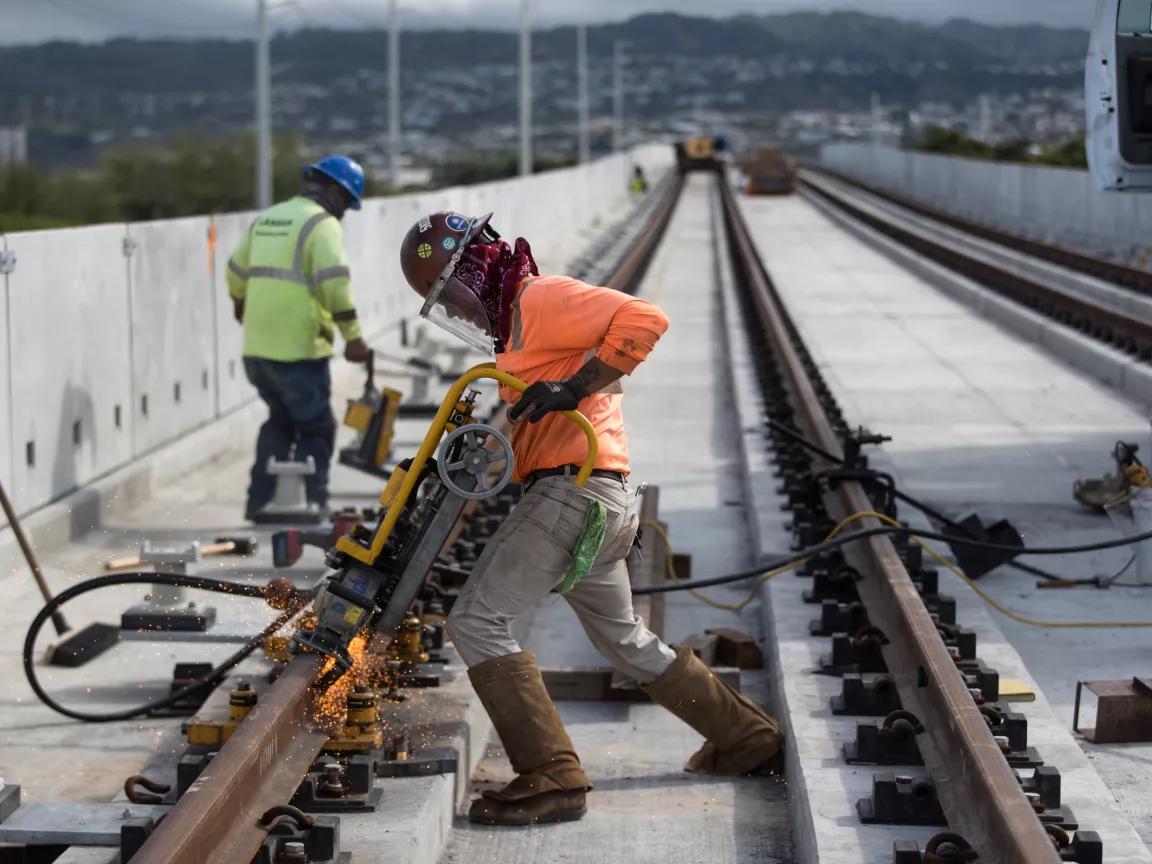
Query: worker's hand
x=544 y=397
x=238 y=310
x=357 y=351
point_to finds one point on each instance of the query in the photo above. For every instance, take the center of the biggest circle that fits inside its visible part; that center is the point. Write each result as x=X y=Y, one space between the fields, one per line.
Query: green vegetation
x=483 y=167
x=191 y=176
x=1070 y=154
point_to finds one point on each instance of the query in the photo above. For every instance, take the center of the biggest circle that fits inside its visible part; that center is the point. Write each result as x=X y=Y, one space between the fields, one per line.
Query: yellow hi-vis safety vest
x=292 y=273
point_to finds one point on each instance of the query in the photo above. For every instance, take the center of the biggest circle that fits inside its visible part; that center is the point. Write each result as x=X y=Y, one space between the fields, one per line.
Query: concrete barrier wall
x=1054 y=205
x=118 y=339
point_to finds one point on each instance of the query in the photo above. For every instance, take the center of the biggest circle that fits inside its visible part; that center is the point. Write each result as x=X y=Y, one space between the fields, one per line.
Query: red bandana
x=492 y=271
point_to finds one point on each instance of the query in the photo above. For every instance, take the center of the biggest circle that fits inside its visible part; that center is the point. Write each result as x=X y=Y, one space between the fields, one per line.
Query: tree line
x=1068 y=154
x=191 y=176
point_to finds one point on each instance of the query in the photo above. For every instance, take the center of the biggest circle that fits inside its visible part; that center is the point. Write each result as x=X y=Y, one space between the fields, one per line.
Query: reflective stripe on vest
x=297 y=275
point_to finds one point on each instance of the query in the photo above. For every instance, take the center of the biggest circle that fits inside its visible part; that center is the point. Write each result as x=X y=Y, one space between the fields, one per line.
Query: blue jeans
x=300 y=424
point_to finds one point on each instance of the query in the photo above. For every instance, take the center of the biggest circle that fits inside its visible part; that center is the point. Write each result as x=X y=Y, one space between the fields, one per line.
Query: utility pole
x=525 y=87
x=583 y=147
x=393 y=95
x=263 y=110
x=618 y=96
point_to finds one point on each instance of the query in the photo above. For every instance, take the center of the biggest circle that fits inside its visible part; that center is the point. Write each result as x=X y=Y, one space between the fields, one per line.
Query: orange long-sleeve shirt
x=558 y=324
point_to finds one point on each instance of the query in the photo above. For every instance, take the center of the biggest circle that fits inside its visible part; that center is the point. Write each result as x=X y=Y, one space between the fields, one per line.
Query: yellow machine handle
x=432 y=439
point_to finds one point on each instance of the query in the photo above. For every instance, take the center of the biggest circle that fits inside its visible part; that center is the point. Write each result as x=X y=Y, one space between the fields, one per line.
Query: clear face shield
x=452 y=307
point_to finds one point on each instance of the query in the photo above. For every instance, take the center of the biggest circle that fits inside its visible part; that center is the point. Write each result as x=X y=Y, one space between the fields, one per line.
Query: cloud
x=42 y=20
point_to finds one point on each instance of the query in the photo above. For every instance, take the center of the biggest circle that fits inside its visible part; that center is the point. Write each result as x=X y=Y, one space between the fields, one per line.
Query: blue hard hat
x=347 y=172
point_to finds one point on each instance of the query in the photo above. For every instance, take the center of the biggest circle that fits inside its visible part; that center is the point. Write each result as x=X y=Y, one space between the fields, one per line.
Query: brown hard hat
x=430 y=245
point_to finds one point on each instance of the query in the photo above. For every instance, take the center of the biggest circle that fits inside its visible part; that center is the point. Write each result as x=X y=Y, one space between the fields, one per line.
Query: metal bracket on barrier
x=7 y=262
x=128 y=246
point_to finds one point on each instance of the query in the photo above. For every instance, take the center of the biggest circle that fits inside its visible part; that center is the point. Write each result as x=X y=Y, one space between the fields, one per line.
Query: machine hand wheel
x=463 y=455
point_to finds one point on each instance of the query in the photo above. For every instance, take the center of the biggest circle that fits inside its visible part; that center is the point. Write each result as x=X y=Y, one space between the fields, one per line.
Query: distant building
x=13 y=145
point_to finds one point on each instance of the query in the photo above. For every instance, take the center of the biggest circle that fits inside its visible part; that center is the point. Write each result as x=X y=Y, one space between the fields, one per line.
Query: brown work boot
x=550 y=784
x=742 y=738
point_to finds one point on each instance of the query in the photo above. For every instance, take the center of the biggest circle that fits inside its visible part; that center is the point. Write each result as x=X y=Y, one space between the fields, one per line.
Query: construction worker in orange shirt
x=572 y=342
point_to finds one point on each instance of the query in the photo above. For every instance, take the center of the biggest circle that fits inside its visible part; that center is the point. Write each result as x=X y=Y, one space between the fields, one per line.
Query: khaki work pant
x=529 y=555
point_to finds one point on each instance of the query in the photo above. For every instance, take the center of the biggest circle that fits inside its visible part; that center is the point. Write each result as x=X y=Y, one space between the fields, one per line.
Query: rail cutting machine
x=379 y=570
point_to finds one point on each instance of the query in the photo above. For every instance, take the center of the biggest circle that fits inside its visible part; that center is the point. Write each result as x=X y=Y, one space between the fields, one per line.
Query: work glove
x=544 y=397
x=238 y=311
x=357 y=351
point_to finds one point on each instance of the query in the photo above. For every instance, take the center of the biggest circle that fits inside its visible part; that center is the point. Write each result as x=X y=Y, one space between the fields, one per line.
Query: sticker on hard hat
x=424 y=224
x=449 y=243
x=424 y=250
x=456 y=222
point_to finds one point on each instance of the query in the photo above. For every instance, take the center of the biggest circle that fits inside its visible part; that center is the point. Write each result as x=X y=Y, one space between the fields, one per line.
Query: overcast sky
x=41 y=20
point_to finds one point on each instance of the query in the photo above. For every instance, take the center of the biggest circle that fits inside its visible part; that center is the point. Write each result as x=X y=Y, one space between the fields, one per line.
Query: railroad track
x=941 y=688
x=226 y=815
x=1100 y=299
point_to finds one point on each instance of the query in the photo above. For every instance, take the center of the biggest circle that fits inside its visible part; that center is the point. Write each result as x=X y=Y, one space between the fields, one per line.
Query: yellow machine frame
x=452 y=412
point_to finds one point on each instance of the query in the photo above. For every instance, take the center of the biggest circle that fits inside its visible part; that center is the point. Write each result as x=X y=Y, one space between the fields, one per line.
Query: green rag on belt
x=587 y=545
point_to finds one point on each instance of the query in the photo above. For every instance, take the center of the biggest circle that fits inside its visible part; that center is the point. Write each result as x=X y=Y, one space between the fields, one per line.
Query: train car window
x=1135 y=18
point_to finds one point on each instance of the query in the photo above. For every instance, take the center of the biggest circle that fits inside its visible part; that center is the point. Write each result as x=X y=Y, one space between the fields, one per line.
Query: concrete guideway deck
x=981 y=421
x=684 y=438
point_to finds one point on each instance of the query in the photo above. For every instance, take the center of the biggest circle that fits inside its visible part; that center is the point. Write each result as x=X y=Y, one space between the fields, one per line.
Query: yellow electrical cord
x=888 y=520
x=670 y=567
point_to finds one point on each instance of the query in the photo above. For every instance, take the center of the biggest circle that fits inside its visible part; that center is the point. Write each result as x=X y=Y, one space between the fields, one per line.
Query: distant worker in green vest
x=290 y=288
x=639 y=183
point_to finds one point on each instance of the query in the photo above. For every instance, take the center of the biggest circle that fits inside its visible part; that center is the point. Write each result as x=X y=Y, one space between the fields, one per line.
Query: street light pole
x=618 y=96
x=393 y=95
x=263 y=110
x=583 y=148
x=525 y=87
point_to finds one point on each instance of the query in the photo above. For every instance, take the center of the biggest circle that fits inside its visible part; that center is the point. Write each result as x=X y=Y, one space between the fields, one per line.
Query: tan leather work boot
x=741 y=736
x=550 y=783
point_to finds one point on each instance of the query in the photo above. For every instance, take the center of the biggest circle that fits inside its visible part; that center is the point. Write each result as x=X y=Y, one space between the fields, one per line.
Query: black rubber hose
x=202 y=583
x=928 y=511
x=837 y=542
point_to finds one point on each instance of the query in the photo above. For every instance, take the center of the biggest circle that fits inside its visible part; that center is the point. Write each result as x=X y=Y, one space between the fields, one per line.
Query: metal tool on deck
x=240 y=546
x=166 y=607
x=289 y=505
x=288 y=545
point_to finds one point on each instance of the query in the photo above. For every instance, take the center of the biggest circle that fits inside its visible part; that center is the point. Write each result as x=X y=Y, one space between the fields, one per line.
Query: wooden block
x=649 y=566
x=734 y=648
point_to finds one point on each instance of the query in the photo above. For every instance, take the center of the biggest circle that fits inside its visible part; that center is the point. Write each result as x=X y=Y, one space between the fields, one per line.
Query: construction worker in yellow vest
x=290 y=287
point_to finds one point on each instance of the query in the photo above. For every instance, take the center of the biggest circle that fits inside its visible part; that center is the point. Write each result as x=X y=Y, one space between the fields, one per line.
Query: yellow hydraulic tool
x=373 y=416
x=379 y=571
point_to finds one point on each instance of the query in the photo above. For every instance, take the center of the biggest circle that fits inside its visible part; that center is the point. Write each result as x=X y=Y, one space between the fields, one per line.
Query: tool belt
x=570 y=471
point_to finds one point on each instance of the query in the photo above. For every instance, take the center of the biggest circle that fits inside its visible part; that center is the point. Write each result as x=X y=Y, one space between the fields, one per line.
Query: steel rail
x=626 y=277
x=217 y=820
x=1138 y=281
x=1128 y=333
x=978 y=791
